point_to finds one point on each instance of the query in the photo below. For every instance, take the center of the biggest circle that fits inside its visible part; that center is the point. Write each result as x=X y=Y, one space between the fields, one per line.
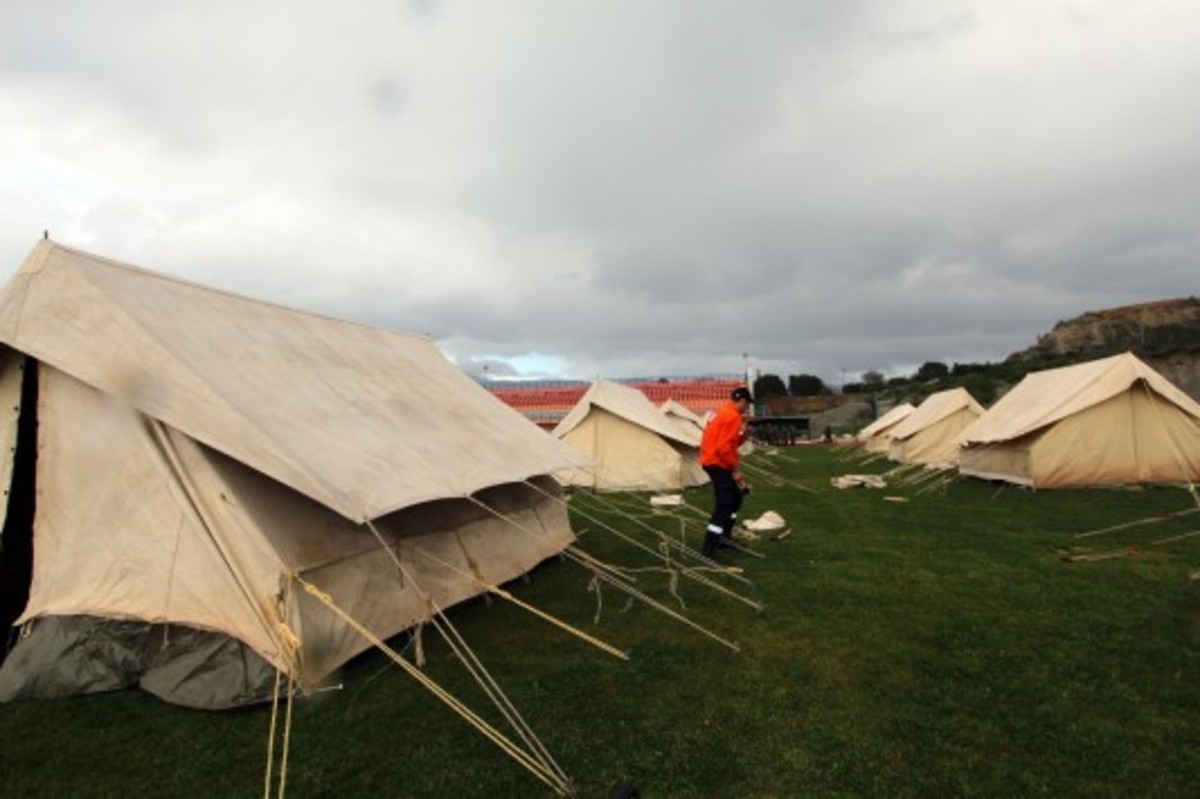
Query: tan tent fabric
x=929 y=434
x=631 y=445
x=628 y=403
x=197 y=450
x=682 y=415
x=363 y=420
x=877 y=436
x=11 y=370
x=1112 y=420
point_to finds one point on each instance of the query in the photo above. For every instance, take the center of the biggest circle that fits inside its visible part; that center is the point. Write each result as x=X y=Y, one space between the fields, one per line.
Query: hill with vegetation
x=1165 y=334
x=1150 y=330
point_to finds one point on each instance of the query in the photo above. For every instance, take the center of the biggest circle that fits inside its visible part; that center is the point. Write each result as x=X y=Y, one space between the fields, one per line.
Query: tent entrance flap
x=18 y=398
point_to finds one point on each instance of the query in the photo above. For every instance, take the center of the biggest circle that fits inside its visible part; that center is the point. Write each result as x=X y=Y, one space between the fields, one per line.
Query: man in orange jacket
x=719 y=457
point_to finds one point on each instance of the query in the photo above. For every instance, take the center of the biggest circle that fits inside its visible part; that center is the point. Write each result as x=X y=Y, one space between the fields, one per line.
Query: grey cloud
x=630 y=188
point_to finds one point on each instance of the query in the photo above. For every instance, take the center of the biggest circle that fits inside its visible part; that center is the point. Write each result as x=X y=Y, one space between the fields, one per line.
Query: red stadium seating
x=547 y=405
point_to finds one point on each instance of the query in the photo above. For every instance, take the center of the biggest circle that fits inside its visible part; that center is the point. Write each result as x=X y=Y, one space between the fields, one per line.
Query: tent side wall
x=129 y=584
x=1135 y=437
x=12 y=370
x=144 y=532
x=443 y=565
x=691 y=473
x=624 y=456
x=120 y=533
x=1009 y=460
x=18 y=442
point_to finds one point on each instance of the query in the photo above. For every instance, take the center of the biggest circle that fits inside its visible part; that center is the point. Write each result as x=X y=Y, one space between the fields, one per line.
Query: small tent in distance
x=877 y=436
x=929 y=434
x=195 y=454
x=631 y=445
x=683 y=415
x=1108 y=421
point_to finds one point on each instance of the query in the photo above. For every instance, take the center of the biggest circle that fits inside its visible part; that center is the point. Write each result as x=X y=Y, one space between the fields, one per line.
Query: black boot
x=710 y=545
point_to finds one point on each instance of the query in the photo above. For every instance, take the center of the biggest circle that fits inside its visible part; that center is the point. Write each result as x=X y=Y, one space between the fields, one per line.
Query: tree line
x=982 y=379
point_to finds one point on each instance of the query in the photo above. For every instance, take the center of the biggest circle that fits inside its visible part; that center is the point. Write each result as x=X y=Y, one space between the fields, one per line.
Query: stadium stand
x=546 y=402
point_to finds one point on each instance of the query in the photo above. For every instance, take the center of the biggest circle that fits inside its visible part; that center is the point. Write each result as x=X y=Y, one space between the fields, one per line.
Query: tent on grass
x=181 y=458
x=1108 y=421
x=877 y=436
x=929 y=434
x=631 y=445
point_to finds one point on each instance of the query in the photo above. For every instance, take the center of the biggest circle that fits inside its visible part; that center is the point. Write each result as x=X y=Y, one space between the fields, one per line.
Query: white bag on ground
x=768 y=521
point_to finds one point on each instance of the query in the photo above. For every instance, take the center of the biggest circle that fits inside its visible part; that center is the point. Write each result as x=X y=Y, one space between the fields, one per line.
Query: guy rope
x=606 y=575
x=690 y=573
x=541 y=766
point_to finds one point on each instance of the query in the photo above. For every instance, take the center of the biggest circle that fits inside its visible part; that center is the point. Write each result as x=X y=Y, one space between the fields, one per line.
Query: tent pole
x=474 y=666
x=575 y=554
x=685 y=570
x=561 y=787
x=500 y=592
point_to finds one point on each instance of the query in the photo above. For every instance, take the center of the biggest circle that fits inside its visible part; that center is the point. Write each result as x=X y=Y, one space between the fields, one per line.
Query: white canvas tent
x=631 y=445
x=190 y=455
x=1108 y=421
x=877 y=436
x=929 y=434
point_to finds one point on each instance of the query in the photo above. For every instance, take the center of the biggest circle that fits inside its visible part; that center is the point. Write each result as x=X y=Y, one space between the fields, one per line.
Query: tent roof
x=673 y=408
x=1045 y=397
x=894 y=416
x=365 y=421
x=935 y=408
x=631 y=405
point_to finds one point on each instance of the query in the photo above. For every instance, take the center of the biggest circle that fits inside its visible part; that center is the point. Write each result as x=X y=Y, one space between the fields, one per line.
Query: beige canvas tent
x=683 y=416
x=1113 y=420
x=929 y=434
x=877 y=436
x=185 y=457
x=631 y=445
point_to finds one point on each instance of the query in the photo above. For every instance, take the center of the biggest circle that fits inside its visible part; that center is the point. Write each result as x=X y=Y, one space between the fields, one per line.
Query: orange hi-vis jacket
x=722 y=437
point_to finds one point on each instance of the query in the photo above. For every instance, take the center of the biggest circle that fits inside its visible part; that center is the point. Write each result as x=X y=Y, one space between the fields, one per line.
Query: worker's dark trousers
x=727 y=499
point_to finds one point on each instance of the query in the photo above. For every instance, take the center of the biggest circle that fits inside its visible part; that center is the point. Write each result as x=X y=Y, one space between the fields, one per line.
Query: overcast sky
x=624 y=187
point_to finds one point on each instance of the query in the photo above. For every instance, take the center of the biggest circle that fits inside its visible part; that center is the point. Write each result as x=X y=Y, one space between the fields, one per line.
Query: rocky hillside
x=1165 y=334
x=1152 y=328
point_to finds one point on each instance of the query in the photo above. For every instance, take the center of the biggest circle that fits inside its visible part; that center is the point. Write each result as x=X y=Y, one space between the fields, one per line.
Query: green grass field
x=935 y=647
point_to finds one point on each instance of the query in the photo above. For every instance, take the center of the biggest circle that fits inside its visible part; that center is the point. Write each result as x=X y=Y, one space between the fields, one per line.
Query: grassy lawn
x=935 y=647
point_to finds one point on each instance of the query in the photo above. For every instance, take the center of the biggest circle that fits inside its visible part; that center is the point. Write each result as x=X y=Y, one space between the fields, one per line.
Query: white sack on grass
x=768 y=521
x=857 y=480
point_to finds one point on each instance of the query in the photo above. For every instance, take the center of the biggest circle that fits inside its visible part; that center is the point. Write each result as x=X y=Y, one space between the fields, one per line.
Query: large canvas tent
x=1108 y=421
x=180 y=459
x=877 y=436
x=631 y=445
x=929 y=434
